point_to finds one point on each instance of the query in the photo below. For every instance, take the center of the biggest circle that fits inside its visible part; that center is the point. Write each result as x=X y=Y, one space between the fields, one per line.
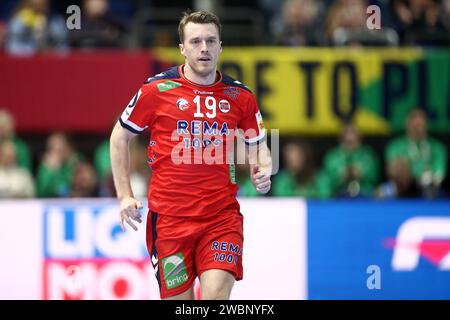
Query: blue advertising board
x=379 y=250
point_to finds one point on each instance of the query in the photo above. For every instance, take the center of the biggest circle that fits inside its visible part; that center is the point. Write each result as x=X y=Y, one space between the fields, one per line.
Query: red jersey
x=192 y=129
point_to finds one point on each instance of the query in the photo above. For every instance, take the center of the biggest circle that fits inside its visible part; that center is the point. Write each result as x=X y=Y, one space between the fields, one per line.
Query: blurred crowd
x=30 y=26
x=415 y=166
x=61 y=170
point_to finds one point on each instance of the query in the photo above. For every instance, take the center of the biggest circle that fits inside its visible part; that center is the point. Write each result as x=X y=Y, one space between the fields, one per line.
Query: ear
x=181 y=46
x=220 y=46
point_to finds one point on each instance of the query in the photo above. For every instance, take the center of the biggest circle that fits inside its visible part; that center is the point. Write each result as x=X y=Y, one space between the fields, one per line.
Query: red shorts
x=181 y=248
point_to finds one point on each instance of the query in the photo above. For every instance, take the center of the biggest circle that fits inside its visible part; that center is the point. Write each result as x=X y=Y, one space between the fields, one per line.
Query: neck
x=416 y=139
x=193 y=76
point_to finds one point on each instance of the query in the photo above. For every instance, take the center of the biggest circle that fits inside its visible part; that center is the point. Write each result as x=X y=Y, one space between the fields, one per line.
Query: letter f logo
x=422 y=236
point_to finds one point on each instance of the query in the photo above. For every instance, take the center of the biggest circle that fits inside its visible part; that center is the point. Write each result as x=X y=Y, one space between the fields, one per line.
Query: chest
x=195 y=107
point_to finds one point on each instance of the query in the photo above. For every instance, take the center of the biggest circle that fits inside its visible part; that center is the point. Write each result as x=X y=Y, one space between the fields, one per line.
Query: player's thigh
x=216 y=284
x=172 y=255
x=221 y=245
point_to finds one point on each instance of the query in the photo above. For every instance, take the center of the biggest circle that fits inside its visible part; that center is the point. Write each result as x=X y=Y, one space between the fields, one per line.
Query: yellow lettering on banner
x=309 y=91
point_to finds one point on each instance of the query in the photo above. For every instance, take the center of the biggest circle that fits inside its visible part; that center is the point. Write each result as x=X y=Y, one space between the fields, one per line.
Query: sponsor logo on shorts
x=174 y=270
x=226 y=252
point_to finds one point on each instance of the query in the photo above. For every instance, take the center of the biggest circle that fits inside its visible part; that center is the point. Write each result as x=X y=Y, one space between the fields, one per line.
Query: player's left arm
x=261 y=167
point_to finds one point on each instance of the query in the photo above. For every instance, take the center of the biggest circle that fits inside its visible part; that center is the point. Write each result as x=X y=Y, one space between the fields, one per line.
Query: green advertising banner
x=312 y=91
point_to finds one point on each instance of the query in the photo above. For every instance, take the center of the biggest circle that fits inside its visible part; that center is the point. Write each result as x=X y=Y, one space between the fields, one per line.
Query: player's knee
x=216 y=291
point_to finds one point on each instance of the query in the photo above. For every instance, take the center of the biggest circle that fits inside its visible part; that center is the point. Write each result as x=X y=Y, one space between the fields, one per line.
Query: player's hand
x=129 y=210
x=260 y=179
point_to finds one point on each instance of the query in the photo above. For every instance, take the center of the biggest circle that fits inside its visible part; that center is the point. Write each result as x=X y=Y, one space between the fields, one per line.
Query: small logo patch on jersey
x=174 y=270
x=232 y=92
x=168 y=85
x=182 y=104
x=203 y=92
x=224 y=106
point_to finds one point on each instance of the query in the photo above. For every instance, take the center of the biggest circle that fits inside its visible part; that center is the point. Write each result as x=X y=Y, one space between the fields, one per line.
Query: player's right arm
x=135 y=119
x=120 y=164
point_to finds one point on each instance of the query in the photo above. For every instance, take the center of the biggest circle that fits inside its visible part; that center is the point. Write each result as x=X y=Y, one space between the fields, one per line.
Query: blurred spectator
x=102 y=164
x=7 y=132
x=176 y=4
x=100 y=28
x=386 y=12
x=445 y=14
x=15 y=182
x=33 y=27
x=299 y=177
x=271 y=10
x=6 y=7
x=400 y=182
x=347 y=25
x=246 y=188
x=420 y=22
x=3 y=29
x=84 y=183
x=55 y=172
x=353 y=168
x=139 y=171
x=426 y=156
x=348 y=15
x=300 y=25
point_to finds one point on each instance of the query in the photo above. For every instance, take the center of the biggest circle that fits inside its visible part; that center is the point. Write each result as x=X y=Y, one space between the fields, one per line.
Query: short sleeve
x=138 y=114
x=252 y=123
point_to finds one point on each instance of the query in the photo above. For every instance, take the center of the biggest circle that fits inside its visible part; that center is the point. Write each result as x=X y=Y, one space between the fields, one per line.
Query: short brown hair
x=202 y=17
